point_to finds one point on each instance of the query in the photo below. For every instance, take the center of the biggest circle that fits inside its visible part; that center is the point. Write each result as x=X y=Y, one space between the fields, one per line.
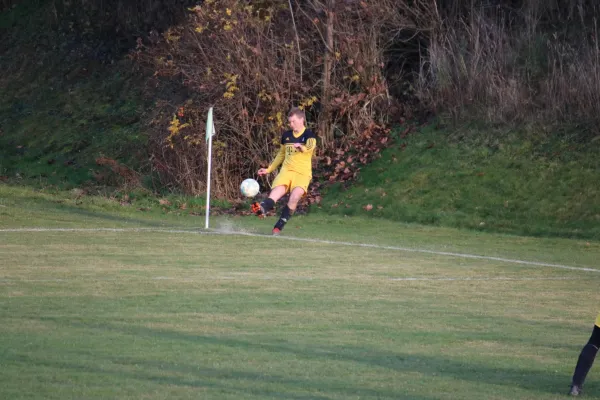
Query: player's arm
x=278 y=160
x=310 y=145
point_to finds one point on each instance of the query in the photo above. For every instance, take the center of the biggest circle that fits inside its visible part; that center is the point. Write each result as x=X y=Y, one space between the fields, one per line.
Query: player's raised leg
x=289 y=209
x=267 y=204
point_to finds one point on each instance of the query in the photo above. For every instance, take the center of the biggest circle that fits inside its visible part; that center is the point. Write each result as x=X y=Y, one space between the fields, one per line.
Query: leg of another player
x=288 y=209
x=585 y=361
x=267 y=204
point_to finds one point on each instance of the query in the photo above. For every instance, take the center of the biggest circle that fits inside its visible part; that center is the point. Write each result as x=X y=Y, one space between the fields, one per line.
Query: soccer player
x=586 y=359
x=295 y=158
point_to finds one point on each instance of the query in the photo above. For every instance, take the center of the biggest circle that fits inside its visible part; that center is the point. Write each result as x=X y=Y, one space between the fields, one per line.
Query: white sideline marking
x=333 y=242
x=486 y=279
x=191 y=230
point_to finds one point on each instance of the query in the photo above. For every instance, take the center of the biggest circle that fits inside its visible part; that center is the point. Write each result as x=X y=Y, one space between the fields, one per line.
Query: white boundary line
x=299 y=278
x=333 y=242
x=160 y=230
x=486 y=279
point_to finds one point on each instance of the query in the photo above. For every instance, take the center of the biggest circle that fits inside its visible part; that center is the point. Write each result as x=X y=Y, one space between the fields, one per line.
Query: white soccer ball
x=249 y=187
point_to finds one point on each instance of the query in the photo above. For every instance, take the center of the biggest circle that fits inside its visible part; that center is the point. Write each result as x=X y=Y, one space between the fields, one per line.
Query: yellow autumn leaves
x=175 y=126
x=230 y=85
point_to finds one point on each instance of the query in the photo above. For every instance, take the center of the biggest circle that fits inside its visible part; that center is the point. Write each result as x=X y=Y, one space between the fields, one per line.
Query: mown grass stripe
x=320 y=241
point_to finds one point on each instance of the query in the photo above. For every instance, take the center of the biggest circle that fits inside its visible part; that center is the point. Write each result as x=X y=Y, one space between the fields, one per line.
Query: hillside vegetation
x=65 y=102
x=111 y=97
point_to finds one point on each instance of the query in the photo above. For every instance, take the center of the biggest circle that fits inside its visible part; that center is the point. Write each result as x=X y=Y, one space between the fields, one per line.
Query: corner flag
x=210 y=126
x=210 y=132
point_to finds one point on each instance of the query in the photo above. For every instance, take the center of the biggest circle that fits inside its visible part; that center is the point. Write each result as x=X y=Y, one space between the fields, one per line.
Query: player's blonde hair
x=297 y=112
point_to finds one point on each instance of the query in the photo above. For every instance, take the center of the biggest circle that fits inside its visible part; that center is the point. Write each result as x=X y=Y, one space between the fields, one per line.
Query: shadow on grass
x=535 y=380
x=224 y=380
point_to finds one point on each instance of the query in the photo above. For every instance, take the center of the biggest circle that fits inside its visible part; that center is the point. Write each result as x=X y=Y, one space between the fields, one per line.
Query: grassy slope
x=61 y=106
x=499 y=182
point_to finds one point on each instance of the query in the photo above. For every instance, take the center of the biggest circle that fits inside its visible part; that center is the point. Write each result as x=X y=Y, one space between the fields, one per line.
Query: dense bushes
x=252 y=62
x=355 y=66
x=535 y=63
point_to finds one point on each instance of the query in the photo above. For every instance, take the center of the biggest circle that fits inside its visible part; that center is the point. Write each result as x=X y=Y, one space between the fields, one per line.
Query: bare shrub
x=252 y=62
x=128 y=177
x=571 y=90
x=504 y=68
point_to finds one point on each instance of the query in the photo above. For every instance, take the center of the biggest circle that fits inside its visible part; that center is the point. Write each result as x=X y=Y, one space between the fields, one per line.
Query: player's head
x=296 y=118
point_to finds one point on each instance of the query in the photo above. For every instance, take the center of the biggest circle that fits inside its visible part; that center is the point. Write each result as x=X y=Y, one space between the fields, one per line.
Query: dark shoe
x=280 y=224
x=575 y=390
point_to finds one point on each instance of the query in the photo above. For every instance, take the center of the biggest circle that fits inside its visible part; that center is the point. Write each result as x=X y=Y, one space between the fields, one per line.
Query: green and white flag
x=210 y=125
x=210 y=131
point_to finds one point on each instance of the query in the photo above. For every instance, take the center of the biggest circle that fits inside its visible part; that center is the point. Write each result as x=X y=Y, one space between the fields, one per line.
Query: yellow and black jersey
x=297 y=160
x=598 y=320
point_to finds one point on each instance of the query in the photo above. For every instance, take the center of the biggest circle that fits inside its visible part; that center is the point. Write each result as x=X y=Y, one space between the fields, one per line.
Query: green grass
x=489 y=181
x=22 y=206
x=61 y=111
x=156 y=314
x=58 y=133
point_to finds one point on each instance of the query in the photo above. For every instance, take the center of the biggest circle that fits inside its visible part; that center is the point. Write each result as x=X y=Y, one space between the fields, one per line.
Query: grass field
x=171 y=312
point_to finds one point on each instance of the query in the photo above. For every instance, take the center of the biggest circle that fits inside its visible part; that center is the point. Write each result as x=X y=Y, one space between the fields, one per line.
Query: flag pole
x=210 y=131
